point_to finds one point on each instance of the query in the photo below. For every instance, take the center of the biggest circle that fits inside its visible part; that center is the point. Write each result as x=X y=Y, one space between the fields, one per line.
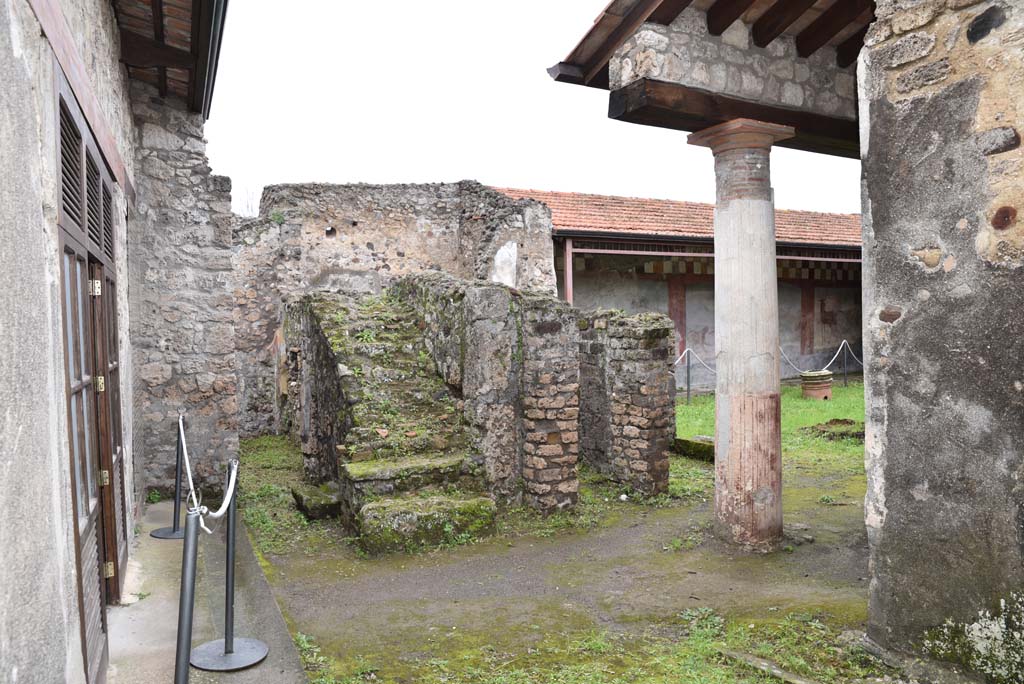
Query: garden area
x=621 y=589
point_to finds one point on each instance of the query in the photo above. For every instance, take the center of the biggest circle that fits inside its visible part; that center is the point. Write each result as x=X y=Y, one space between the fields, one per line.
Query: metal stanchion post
x=174 y=531
x=846 y=379
x=228 y=654
x=187 y=597
x=688 y=379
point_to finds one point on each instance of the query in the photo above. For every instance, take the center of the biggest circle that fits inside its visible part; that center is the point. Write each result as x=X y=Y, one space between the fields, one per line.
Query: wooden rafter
x=140 y=51
x=846 y=53
x=777 y=19
x=158 y=35
x=668 y=10
x=827 y=26
x=723 y=13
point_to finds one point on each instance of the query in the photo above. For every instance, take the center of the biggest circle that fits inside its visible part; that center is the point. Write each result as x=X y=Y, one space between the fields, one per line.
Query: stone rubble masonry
x=513 y=357
x=683 y=52
x=627 y=395
x=182 y=328
x=316 y=412
x=361 y=238
x=943 y=333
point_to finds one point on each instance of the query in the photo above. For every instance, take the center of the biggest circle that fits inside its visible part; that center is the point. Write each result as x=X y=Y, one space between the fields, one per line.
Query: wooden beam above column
x=670 y=105
x=723 y=13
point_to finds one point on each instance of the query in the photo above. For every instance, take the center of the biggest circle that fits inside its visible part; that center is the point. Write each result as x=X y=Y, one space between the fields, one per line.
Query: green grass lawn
x=698 y=418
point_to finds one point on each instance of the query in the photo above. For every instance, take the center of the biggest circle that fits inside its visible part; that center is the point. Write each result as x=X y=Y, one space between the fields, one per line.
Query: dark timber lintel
x=670 y=105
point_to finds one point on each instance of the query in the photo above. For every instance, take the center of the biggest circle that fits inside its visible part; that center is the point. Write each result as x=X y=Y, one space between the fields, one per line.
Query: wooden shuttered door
x=89 y=301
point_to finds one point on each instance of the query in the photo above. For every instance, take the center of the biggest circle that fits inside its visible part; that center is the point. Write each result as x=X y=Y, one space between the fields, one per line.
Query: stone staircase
x=407 y=477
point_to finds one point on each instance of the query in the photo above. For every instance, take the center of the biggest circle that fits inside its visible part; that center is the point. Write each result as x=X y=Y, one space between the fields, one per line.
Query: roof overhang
x=174 y=45
x=663 y=239
x=813 y=24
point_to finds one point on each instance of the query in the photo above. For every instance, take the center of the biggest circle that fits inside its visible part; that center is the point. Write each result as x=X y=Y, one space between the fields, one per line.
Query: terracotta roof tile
x=571 y=211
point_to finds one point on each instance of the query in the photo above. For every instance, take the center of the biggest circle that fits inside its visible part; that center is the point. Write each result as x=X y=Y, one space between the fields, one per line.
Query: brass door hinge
x=108 y=569
x=104 y=478
x=96 y=288
x=101 y=383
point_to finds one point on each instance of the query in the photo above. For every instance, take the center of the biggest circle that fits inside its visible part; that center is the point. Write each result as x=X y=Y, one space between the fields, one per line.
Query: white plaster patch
x=503 y=268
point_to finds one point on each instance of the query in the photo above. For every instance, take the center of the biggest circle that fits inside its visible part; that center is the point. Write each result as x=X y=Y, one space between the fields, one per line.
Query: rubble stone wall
x=180 y=265
x=683 y=52
x=316 y=411
x=627 y=391
x=512 y=357
x=360 y=239
x=942 y=85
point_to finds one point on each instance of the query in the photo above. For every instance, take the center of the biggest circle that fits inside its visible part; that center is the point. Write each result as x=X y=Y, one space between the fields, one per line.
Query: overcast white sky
x=408 y=91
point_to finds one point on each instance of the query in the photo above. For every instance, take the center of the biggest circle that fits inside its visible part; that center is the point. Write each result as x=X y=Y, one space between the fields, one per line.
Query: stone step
x=368 y=481
x=412 y=524
x=394 y=447
x=364 y=480
x=317 y=502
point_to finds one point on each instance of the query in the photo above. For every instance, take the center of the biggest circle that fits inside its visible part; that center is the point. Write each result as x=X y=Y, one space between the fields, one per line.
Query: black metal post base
x=211 y=656
x=168 y=533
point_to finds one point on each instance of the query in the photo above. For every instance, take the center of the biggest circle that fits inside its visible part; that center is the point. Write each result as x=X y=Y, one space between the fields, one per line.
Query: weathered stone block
x=413 y=524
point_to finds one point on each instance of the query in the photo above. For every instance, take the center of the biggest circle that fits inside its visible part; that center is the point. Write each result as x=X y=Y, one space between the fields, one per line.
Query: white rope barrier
x=229 y=493
x=188 y=464
x=844 y=343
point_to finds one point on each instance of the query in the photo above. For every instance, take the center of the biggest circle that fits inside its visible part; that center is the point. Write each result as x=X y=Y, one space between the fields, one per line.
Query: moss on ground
x=796 y=619
x=806 y=644
x=270 y=467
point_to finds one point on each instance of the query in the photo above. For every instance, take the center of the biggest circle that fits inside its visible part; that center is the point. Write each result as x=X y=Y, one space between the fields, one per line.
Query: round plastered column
x=748 y=443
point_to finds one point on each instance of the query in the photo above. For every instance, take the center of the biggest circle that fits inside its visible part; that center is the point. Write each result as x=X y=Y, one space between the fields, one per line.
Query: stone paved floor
x=142 y=633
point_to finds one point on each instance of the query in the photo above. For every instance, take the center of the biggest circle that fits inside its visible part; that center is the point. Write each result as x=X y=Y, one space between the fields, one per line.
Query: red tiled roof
x=572 y=211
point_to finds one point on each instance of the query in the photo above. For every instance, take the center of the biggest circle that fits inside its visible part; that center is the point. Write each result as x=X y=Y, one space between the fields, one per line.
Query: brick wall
x=628 y=392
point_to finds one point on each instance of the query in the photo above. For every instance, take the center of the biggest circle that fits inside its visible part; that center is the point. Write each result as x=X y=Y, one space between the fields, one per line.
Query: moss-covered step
x=411 y=524
x=317 y=502
x=365 y=480
x=362 y=448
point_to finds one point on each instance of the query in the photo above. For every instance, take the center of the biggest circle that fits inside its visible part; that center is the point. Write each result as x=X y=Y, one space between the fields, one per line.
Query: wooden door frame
x=67 y=244
x=104 y=431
